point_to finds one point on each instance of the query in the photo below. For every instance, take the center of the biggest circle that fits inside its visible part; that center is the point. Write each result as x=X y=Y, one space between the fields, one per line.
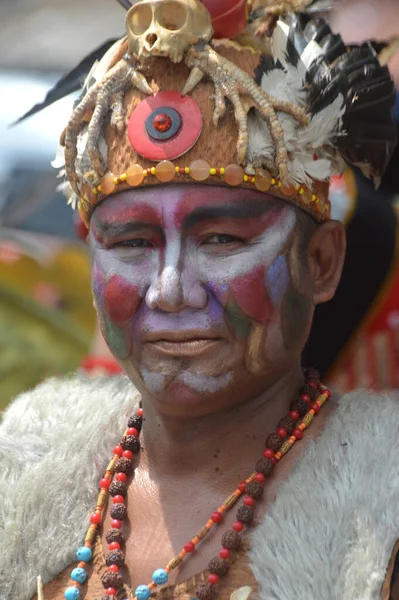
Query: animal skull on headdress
x=167 y=28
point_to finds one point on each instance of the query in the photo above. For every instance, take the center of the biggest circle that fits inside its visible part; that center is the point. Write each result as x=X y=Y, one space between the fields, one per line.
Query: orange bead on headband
x=170 y=103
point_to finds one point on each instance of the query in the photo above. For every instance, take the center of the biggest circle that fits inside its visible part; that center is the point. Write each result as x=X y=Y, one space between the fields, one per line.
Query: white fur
x=328 y=536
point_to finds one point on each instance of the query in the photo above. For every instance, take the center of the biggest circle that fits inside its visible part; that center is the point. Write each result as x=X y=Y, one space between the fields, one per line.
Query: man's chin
x=186 y=389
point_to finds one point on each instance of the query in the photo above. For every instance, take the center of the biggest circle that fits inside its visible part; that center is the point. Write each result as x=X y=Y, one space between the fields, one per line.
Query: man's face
x=200 y=292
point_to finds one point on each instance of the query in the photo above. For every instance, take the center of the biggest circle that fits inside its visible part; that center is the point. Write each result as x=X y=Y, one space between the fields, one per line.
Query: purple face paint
x=277 y=279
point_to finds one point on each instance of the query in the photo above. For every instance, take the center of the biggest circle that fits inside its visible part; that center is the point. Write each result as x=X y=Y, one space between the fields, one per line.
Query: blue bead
x=160 y=576
x=79 y=575
x=143 y=592
x=72 y=593
x=84 y=553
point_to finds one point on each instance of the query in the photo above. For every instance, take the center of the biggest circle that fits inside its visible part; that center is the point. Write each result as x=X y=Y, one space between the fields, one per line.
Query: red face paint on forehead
x=122 y=210
x=174 y=204
x=121 y=299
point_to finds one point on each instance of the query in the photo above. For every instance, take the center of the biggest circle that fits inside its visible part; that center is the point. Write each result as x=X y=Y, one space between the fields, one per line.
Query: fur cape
x=55 y=443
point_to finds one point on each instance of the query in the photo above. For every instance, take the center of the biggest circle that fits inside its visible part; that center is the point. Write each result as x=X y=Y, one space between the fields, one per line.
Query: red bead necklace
x=290 y=429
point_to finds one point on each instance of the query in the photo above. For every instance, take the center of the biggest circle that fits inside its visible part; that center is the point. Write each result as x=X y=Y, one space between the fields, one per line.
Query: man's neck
x=226 y=443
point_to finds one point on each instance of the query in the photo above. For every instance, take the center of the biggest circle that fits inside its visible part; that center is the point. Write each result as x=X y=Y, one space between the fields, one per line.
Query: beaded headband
x=171 y=103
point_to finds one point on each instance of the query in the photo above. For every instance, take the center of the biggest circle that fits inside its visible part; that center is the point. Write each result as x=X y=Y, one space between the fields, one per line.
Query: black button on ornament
x=163 y=123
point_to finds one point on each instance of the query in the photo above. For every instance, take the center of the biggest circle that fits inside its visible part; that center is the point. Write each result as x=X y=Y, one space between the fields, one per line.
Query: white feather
x=302 y=143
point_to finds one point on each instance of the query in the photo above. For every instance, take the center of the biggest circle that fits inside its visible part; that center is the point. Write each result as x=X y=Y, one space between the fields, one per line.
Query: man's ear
x=326 y=254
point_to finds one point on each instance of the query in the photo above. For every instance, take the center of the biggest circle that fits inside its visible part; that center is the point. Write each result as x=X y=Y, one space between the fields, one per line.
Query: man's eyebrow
x=244 y=210
x=110 y=229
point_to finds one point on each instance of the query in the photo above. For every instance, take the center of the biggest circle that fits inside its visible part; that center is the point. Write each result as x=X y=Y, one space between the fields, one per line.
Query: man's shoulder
x=64 y=409
x=69 y=397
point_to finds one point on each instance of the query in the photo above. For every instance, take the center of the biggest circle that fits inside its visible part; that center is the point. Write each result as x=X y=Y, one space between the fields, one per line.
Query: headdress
x=170 y=101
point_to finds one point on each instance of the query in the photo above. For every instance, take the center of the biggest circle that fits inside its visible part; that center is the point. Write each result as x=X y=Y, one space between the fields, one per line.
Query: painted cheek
x=277 y=279
x=121 y=299
x=97 y=282
x=250 y=294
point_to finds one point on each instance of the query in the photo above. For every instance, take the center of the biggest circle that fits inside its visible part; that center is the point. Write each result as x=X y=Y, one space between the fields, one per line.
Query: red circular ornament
x=170 y=147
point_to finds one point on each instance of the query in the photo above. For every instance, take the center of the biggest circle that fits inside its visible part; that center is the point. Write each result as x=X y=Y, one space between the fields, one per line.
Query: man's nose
x=176 y=289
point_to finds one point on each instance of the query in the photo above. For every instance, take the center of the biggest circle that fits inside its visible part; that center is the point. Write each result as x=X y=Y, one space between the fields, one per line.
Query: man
x=211 y=246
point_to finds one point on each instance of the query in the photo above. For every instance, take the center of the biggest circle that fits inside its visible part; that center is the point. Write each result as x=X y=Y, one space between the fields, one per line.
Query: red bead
x=105 y=483
x=249 y=501
x=294 y=414
x=216 y=517
x=114 y=546
x=127 y=454
x=132 y=431
x=118 y=500
x=189 y=547
x=241 y=486
x=312 y=384
x=96 y=518
x=182 y=171
x=238 y=526
x=118 y=450
x=113 y=569
x=110 y=592
x=140 y=411
x=268 y=453
x=274 y=460
x=213 y=578
x=298 y=434
x=316 y=408
x=259 y=477
x=121 y=477
x=116 y=524
x=224 y=553
x=305 y=398
x=327 y=393
x=162 y=122
x=281 y=432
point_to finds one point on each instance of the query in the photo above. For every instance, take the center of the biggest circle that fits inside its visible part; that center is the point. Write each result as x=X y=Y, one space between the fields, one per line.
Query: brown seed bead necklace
x=311 y=398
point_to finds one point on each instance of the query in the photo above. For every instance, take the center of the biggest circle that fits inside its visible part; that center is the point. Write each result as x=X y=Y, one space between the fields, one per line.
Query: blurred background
x=47 y=322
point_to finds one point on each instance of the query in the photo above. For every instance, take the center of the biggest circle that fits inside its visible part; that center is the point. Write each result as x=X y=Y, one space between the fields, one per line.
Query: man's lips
x=181 y=343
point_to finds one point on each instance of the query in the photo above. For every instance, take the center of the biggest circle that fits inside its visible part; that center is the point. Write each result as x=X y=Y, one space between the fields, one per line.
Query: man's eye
x=136 y=243
x=222 y=238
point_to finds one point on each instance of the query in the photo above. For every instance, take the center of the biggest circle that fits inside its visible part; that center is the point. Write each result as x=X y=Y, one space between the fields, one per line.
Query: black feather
x=369 y=134
x=71 y=82
x=266 y=64
x=125 y=3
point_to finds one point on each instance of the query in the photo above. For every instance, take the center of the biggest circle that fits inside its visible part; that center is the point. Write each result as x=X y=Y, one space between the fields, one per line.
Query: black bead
x=310 y=391
x=218 y=566
x=231 y=540
x=123 y=465
x=205 y=591
x=130 y=442
x=118 y=511
x=112 y=580
x=114 y=535
x=274 y=442
x=300 y=406
x=264 y=466
x=245 y=514
x=288 y=424
x=118 y=488
x=115 y=557
x=254 y=489
x=136 y=422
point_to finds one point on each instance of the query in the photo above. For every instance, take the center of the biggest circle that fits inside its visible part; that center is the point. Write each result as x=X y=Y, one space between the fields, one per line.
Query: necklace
x=311 y=398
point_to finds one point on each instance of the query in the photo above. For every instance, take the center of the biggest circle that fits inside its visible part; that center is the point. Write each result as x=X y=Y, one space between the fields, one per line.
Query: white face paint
x=187 y=261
